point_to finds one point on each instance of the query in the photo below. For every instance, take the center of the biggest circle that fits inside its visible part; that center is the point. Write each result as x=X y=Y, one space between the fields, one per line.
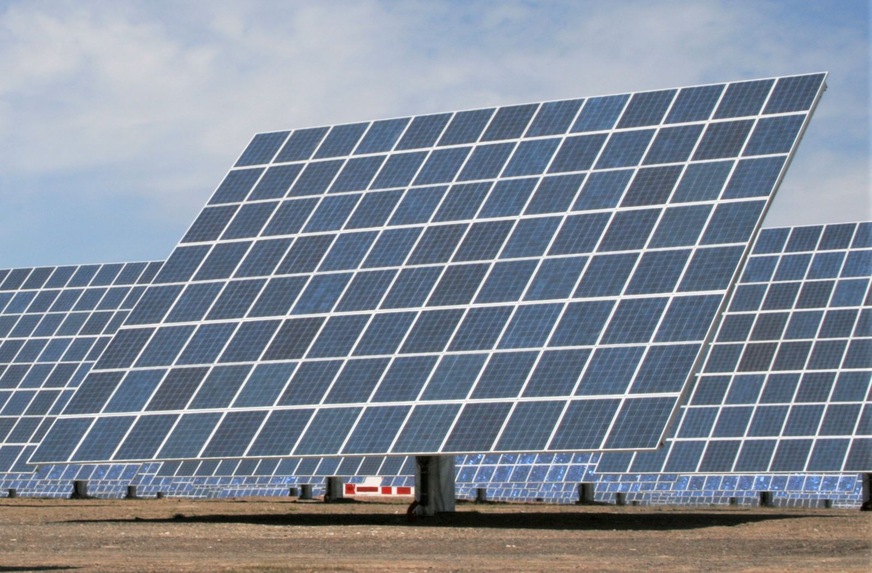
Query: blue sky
x=117 y=120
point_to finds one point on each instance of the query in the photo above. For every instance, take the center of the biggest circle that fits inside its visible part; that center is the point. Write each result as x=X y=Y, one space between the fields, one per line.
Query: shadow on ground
x=527 y=520
x=4 y=569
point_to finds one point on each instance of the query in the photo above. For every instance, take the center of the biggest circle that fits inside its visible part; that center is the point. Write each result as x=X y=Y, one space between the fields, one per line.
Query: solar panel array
x=787 y=386
x=54 y=324
x=539 y=277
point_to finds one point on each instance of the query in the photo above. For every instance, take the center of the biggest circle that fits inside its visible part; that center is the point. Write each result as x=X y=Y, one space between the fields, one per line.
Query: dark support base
x=131 y=492
x=734 y=501
x=481 y=495
x=160 y=495
x=767 y=499
x=306 y=491
x=13 y=493
x=620 y=498
x=294 y=492
x=335 y=490
x=586 y=493
x=80 y=490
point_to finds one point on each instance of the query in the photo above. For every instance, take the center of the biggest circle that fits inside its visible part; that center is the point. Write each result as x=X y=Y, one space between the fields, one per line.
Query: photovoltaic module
x=530 y=278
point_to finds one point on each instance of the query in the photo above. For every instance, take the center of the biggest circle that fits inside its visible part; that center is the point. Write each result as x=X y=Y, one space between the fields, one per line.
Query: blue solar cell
x=454 y=376
x=458 y=285
x=794 y=93
x=327 y=431
x=310 y=383
x=694 y=104
x=629 y=230
x=376 y=429
x=673 y=144
x=577 y=153
x=556 y=373
x=754 y=177
x=357 y=174
x=219 y=387
x=554 y=118
x=305 y=254
x=382 y=135
x=411 y=287
x=207 y=343
x=366 y=290
x=276 y=182
x=646 y=108
x=442 y=165
x=423 y=131
x=531 y=157
x=486 y=161
x=341 y=140
x=315 y=178
x=721 y=140
x=301 y=144
x=508 y=198
x=625 y=149
x=554 y=194
x=530 y=326
x=466 y=127
x=600 y=113
x=432 y=331
x=774 y=135
x=405 y=378
x=236 y=186
x=530 y=426
x=581 y=323
x=584 y=422
x=426 y=428
x=580 y=234
x=744 y=98
x=356 y=381
x=506 y=281
x=337 y=336
x=462 y=202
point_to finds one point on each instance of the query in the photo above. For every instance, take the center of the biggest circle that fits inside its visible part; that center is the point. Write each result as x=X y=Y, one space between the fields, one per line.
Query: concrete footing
x=767 y=499
x=306 y=491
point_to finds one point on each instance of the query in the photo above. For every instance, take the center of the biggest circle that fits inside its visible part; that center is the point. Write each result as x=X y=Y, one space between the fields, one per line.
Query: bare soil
x=281 y=534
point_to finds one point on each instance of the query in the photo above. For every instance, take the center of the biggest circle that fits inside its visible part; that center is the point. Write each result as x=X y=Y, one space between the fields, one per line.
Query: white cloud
x=152 y=101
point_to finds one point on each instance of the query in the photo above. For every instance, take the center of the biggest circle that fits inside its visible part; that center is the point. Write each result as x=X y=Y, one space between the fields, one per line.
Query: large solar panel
x=54 y=323
x=787 y=386
x=538 y=277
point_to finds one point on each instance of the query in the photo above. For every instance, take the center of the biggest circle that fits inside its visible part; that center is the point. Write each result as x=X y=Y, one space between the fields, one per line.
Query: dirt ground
x=276 y=534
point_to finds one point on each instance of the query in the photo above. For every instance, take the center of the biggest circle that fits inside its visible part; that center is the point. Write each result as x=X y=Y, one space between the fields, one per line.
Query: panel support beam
x=867 y=493
x=434 y=485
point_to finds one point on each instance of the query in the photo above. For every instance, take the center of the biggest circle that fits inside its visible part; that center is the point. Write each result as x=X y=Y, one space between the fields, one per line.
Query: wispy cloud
x=118 y=119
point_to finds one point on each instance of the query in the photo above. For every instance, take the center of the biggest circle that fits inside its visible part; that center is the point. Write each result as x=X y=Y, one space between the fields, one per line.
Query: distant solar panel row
x=54 y=324
x=528 y=278
x=787 y=386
